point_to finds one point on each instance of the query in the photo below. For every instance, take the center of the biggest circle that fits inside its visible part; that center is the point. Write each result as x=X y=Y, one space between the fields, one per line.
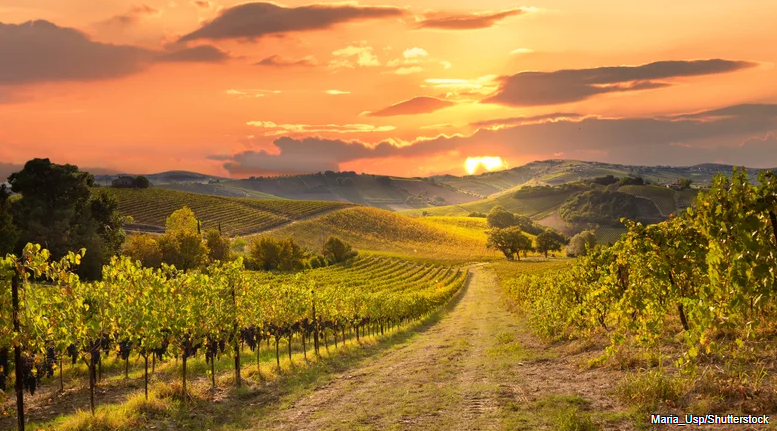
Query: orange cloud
x=273 y=129
x=416 y=105
x=255 y=20
x=471 y=21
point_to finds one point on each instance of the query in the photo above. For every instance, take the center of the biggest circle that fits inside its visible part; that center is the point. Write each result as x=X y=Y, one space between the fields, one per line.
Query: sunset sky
x=409 y=89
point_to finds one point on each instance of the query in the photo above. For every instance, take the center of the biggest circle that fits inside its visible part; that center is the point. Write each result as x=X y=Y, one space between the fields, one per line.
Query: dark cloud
x=255 y=20
x=741 y=137
x=131 y=17
x=565 y=86
x=278 y=61
x=466 y=21
x=199 y=54
x=416 y=105
x=41 y=51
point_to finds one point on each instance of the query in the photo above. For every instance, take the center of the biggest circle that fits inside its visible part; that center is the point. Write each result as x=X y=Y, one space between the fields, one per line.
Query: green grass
x=237 y=216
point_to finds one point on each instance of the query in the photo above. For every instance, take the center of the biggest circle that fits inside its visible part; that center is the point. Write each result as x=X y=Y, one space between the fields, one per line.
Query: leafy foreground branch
x=696 y=293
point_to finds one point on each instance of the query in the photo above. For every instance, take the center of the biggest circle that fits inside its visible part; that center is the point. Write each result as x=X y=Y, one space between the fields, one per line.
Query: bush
x=337 y=250
x=143 y=248
x=476 y=214
x=269 y=253
x=218 y=245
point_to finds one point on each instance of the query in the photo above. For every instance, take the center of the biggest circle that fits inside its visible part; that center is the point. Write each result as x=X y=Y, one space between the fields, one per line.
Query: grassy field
x=237 y=216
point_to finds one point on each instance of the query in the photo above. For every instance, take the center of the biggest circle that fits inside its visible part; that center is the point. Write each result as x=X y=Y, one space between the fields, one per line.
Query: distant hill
x=398 y=194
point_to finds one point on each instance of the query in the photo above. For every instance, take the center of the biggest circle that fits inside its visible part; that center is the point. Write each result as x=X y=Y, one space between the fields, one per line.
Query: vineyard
x=391 y=233
x=697 y=291
x=236 y=216
x=223 y=310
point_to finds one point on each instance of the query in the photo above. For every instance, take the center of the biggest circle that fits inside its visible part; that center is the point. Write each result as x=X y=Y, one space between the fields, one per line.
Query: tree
x=182 y=243
x=218 y=245
x=142 y=182
x=500 y=218
x=337 y=250
x=275 y=253
x=581 y=243
x=684 y=183
x=182 y=220
x=511 y=241
x=143 y=248
x=547 y=241
x=8 y=231
x=183 y=249
x=58 y=209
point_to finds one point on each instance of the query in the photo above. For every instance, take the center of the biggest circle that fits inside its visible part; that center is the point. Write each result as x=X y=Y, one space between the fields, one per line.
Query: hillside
x=440 y=194
x=237 y=216
x=386 y=232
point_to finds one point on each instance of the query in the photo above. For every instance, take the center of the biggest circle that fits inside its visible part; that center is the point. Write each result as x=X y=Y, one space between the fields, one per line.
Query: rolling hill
x=237 y=216
x=406 y=194
x=385 y=232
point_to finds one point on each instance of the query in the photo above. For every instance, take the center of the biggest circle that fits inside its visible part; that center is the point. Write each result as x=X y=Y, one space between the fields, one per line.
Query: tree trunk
x=277 y=354
x=17 y=354
x=290 y=349
x=126 y=368
x=682 y=316
x=61 y=380
x=258 y=359
x=92 y=378
x=238 y=380
x=304 y=348
x=213 y=372
x=184 y=376
x=145 y=376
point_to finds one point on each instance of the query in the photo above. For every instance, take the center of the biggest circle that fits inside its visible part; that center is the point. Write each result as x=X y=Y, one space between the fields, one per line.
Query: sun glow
x=488 y=162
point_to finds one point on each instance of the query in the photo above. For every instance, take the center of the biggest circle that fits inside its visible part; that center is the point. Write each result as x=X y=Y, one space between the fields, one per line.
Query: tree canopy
x=511 y=241
x=58 y=209
x=548 y=241
x=500 y=218
x=337 y=250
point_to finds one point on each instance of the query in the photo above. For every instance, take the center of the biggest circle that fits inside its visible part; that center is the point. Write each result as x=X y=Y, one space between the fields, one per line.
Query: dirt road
x=475 y=369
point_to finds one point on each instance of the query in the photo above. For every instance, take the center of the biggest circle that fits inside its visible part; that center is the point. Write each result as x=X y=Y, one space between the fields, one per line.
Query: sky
x=408 y=89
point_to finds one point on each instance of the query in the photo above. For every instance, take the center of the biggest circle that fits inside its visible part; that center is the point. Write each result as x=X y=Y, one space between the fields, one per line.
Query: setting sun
x=488 y=162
